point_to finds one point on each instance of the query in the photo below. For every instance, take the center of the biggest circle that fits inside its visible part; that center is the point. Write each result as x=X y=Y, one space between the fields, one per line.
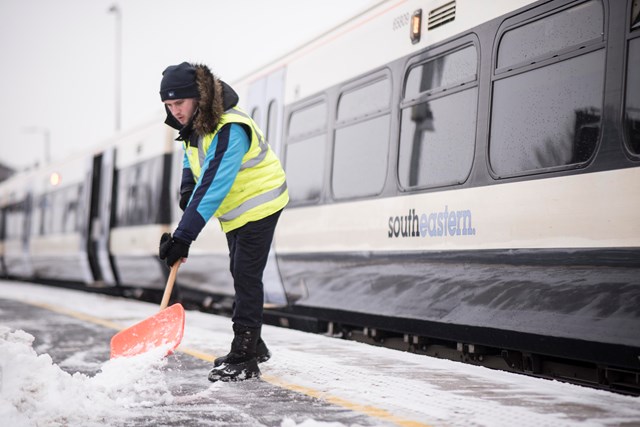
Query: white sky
x=58 y=69
x=396 y=387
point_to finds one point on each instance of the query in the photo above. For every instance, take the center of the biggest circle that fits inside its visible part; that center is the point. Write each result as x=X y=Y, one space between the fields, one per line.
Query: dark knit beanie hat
x=179 y=82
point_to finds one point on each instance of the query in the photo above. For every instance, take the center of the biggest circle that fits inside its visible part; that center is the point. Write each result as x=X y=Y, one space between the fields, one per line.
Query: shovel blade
x=164 y=329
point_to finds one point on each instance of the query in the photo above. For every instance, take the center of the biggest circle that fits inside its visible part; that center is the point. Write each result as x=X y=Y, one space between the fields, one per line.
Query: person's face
x=182 y=109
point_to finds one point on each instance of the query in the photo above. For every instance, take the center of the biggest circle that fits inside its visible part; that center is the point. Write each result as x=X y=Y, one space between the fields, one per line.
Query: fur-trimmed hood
x=215 y=98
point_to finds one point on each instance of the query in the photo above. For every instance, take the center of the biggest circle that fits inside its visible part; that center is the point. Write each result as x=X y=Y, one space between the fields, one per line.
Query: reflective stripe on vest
x=252 y=203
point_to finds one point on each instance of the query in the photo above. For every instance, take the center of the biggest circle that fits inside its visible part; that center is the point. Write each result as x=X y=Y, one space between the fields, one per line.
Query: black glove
x=173 y=249
x=184 y=200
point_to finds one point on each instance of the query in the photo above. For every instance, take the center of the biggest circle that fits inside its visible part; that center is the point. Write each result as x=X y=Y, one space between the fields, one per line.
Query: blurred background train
x=464 y=182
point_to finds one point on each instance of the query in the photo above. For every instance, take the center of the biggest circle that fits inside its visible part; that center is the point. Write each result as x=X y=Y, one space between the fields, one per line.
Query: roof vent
x=441 y=15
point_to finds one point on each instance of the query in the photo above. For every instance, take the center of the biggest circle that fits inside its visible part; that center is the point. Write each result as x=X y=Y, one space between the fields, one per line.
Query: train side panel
x=481 y=190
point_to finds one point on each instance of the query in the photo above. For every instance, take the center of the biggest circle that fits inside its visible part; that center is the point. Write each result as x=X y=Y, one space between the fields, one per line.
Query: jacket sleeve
x=221 y=165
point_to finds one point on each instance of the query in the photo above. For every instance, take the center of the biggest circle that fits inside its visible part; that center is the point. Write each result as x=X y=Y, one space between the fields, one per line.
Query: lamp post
x=47 y=140
x=115 y=9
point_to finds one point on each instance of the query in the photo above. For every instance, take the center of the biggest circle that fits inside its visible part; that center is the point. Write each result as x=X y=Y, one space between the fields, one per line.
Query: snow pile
x=33 y=390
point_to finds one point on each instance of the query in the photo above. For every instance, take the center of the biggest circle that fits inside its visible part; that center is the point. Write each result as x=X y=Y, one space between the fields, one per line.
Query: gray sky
x=58 y=70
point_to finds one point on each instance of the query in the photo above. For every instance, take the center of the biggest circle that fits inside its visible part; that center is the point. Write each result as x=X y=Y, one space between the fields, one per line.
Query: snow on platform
x=55 y=371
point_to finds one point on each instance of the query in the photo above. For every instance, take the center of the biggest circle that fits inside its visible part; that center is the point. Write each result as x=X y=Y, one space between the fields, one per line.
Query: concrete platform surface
x=55 y=371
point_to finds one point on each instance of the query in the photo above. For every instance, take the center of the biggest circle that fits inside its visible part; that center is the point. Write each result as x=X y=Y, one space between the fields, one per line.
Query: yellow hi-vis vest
x=260 y=188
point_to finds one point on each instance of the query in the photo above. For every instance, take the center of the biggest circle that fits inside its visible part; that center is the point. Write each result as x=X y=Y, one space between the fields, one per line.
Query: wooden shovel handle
x=170 y=281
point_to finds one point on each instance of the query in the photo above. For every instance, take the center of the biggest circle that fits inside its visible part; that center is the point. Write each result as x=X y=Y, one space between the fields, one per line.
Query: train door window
x=16 y=219
x=49 y=214
x=547 y=95
x=305 y=152
x=73 y=200
x=13 y=221
x=38 y=215
x=139 y=193
x=57 y=211
x=438 y=119
x=272 y=121
x=362 y=139
x=632 y=99
x=46 y=210
x=255 y=114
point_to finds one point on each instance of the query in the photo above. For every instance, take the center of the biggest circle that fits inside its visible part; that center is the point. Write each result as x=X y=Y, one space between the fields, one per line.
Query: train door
x=100 y=216
x=265 y=104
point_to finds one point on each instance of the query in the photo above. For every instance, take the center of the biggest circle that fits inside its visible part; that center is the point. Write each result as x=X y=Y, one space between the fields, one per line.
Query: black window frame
x=340 y=124
x=565 y=54
x=139 y=191
x=462 y=42
x=631 y=33
x=314 y=132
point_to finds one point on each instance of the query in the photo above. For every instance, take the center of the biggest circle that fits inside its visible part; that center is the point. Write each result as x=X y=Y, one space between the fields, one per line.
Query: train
x=464 y=182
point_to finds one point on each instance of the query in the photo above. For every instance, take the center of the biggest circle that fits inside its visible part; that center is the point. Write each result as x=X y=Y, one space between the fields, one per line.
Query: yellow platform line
x=371 y=411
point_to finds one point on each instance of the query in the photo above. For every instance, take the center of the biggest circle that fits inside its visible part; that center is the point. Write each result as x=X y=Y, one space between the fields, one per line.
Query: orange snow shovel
x=163 y=329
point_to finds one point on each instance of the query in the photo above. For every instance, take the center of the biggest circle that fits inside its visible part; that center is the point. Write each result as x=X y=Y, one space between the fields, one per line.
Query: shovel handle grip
x=169 y=287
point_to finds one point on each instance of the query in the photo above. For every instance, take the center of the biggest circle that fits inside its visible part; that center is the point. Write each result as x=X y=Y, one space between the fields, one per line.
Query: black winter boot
x=262 y=354
x=241 y=362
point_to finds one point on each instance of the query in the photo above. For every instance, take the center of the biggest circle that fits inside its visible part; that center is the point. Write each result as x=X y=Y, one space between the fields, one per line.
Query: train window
x=360 y=158
x=438 y=121
x=55 y=212
x=308 y=120
x=304 y=165
x=37 y=216
x=16 y=219
x=632 y=103
x=139 y=191
x=72 y=219
x=305 y=152
x=370 y=99
x=58 y=211
x=441 y=73
x=569 y=29
x=549 y=116
x=361 y=144
x=635 y=15
x=46 y=214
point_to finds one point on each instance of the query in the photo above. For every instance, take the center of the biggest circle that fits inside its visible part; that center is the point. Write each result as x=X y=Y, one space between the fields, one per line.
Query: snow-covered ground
x=310 y=381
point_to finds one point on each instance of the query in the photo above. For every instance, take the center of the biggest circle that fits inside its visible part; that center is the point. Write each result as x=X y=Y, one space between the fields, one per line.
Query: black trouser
x=248 y=252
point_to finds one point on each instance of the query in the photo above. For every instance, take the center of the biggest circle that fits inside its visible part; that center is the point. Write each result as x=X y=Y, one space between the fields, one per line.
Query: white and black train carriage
x=43 y=224
x=468 y=175
x=464 y=177
x=57 y=221
x=95 y=220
